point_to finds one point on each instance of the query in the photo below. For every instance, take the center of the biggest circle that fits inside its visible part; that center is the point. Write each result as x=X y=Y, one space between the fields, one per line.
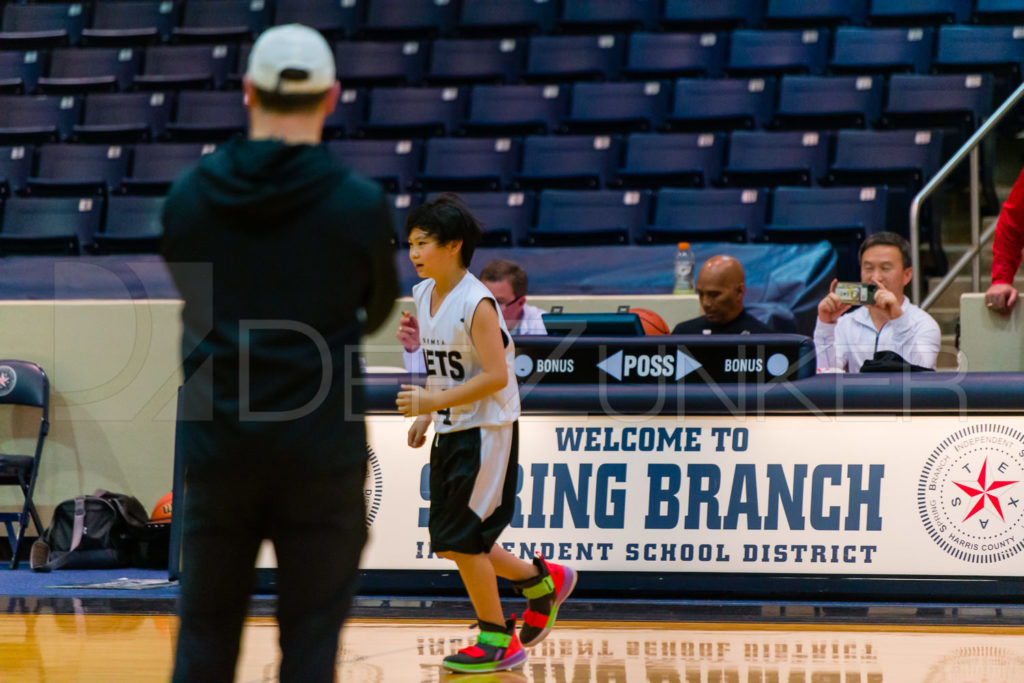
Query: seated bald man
x=721 y=285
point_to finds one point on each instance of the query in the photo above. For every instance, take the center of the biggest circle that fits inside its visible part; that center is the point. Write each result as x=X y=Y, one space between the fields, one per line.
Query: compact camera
x=856 y=293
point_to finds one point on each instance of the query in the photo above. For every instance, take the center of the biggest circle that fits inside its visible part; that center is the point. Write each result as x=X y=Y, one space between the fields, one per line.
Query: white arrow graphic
x=612 y=365
x=685 y=365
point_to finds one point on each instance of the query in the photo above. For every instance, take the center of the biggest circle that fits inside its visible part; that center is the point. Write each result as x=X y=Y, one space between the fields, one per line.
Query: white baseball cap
x=291 y=59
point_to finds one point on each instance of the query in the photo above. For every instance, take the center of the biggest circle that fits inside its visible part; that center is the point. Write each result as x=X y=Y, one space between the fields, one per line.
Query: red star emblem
x=983 y=492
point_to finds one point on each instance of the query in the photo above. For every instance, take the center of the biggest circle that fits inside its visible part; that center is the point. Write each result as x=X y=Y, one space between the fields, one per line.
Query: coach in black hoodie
x=283 y=258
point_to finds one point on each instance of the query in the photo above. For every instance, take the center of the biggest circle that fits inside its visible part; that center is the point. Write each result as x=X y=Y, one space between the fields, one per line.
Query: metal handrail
x=968 y=148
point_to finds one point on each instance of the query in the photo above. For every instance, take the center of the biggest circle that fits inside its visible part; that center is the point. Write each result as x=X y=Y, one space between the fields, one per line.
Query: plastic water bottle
x=684 y=270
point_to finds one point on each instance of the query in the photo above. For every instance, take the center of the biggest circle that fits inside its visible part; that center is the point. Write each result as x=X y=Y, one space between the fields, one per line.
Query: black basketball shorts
x=472 y=487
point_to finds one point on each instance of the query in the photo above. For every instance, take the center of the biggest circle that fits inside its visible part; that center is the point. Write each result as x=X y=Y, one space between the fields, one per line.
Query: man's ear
x=331 y=100
x=908 y=275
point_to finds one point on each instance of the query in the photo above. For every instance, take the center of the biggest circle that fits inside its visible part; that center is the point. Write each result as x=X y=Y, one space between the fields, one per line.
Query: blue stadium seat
x=702 y=15
x=899 y=159
x=842 y=215
x=49 y=225
x=15 y=167
x=887 y=157
x=655 y=160
x=980 y=48
x=616 y=107
x=480 y=60
x=123 y=118
x=41 y=25
x=917 y=12
x=130 y=23
x=78 y=170
x=760 y=159
x=368 y=62
x=37 y=119
x=507 y=17
x=349 y=112
x=392 y=163
x=667 y=55
x=595 y=16
x=515 y=110
x=571 y=161
x=753 y=52
x=562 y=58
x=803 y=14
x=882 y=50
x=78 y=70
x=208 y=116
x=578 y=218
x=212 y=21
x=334 y=20
x=132 y=225
x=721 y=104
x=401 y=205
x=938 y=100
x=19 y=71
x=731 y=215
x=156 y=165
x=413 y=112
x=998 y=11
x=505 y=217
x=468 y=164
x=419 y=18
x=828 y=102
x=185 y=67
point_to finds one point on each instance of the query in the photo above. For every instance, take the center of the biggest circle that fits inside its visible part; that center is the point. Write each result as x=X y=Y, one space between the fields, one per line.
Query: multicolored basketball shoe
x=497 y=648
x=544 y=594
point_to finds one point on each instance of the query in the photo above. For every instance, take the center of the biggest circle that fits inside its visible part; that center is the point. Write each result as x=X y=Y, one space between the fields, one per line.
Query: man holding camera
x=886 y=321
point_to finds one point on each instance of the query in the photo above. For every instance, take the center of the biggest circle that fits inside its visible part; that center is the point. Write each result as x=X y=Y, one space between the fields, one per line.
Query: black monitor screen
x=593 y=324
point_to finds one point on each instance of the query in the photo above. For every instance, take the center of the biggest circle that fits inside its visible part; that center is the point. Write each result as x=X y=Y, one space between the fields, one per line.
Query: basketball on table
x=652 y=322
x=162 y=510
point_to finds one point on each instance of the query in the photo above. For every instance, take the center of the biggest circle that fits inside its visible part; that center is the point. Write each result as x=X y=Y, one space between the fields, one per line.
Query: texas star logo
x=971 y=496
x=8 y=379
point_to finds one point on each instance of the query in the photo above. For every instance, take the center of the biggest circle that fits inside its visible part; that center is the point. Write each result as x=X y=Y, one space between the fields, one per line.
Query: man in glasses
x=507 y=282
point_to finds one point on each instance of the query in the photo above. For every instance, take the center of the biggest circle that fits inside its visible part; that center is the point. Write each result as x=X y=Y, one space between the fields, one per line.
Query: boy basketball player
x=473 y=400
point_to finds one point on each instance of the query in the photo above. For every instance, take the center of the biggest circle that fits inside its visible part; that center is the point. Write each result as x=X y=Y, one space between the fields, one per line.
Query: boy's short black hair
x=446 y=218
x=887 y=239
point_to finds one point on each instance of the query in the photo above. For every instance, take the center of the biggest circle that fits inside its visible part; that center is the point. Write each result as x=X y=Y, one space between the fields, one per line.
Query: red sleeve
x=1009 y=239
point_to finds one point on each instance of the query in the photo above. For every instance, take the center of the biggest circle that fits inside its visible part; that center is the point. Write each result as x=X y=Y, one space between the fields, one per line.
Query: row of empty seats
x=640 y=160
x=957 y=101
x=126 y=21
x=120 y=223
x=538 y=59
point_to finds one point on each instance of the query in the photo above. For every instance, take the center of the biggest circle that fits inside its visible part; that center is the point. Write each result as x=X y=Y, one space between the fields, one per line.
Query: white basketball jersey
x=451 y=359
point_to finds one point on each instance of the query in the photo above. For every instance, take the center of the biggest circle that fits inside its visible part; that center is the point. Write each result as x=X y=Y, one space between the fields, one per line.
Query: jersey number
x=447 y=415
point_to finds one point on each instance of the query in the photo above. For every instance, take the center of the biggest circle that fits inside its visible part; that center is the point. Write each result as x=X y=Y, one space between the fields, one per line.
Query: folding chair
x=506 y=17
x=23 y=384
x=333 y=19
x=616 y=107
x=41 y=25
x=132 y=226
x=754 y=52
x=19 y=71
x=803 y=14
x=707 y=216
x=496 y=110
x=702 y=15
x=828 y=102
x=563 y=58
x=82 y=70
x=378 y=63
x=760 y=159
x=589 y=217
x=720 y=104
x=222 y=21
x=496 y=60
x=859 y=51
x=664 y=55
x=917 y=12
x=130 y=23
x=663 y=159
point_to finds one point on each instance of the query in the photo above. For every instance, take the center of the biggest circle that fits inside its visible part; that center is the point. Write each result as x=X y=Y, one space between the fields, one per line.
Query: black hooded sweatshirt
x=284 y=259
